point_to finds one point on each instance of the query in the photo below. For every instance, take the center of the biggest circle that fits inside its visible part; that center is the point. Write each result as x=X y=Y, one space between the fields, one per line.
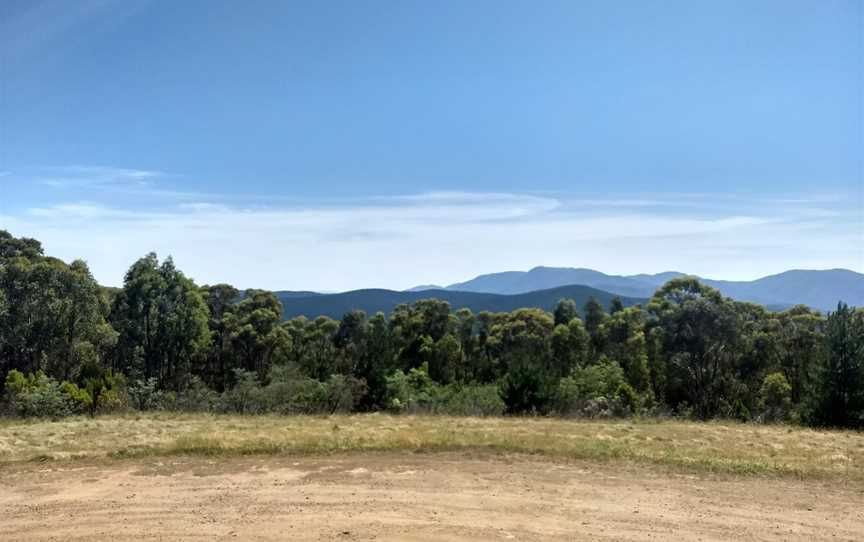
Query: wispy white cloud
x=95 y=176
x=67 y=211
x=92 y=181
x=443 y=237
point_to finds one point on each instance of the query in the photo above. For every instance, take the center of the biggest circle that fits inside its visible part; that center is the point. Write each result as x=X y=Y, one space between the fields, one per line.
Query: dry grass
x=727 y=448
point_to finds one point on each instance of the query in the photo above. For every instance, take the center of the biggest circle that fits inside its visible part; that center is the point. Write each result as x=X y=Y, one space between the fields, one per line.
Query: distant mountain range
x=311 y=304
x=820 y=289
x=542 y=287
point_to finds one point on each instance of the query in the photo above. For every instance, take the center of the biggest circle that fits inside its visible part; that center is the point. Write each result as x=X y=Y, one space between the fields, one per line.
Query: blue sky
x=336 y=145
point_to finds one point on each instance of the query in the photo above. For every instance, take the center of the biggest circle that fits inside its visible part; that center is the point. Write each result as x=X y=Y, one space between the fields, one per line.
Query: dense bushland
x=69 y=346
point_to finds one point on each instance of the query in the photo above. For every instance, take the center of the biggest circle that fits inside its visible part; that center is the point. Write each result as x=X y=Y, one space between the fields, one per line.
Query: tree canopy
x=69 y=344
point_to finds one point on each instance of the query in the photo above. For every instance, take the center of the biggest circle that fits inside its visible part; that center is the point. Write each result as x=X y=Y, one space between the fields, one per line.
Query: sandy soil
x=411 y=497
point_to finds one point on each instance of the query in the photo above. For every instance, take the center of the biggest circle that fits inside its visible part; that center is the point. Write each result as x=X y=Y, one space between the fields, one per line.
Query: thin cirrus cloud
x=397 y=242
x=98 y=182
x=95 y=176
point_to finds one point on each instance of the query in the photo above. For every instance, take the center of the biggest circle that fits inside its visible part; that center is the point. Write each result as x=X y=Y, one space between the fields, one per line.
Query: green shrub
x=36 y=395
x=473 y=401
x=775 y=397
x=197 y=397
x=115 y=395
x=290 y=392
x=627 y=400
x=415 y=392
x=598 y=390
x=300 y=396
x=245 y=397
x=343 y=393
x=145 y=395
x=79 y=401
x=411 y=392
x=39 y=395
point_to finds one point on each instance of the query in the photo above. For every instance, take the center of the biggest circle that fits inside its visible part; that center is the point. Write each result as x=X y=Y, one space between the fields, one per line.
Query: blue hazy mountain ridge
x=380 y=300
x=539 y=278
x=424 y=287
x=820 y=289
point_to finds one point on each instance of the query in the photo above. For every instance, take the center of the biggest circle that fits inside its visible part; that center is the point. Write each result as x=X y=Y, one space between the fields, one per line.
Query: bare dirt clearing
x=409 y=496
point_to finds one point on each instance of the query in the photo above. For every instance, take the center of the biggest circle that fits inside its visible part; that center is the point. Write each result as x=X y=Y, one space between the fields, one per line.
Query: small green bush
x=145 y=395
x=775 y=398
x=245 y=397
x=80 y=401
x=598 y=390
x=197 y=397
x=473 y=401
x=36 y=395
x=343 y=393
x=415 y=392
x=411 y=392
x=627 y=399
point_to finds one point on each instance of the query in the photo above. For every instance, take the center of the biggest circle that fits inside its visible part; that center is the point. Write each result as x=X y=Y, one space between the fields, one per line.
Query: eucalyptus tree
x=835 y=396
x=255 y=335
x=522 y=342
x=161 y=318
x=623 y=334
x=52 y=314
x=698 y=333
x=565 y=310
x=594 y=316
x=220 y=299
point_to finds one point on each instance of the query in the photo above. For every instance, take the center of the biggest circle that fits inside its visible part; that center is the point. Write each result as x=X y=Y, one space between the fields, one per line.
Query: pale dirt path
x=411 y=497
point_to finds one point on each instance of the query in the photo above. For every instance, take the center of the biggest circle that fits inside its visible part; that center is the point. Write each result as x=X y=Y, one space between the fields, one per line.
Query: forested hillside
x=377 y=300
x=68 y=345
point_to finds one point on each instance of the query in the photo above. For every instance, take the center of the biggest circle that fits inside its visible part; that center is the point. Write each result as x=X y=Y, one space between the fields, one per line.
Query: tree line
x=69 y=345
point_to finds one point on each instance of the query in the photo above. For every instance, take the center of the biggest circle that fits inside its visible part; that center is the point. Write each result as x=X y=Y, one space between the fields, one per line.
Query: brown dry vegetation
x=722 y=448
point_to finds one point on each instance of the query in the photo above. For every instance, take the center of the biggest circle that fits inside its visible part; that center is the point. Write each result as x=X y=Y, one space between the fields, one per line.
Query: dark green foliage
x=835 y=396
x=52 y=315
x=245 y=397
x=290 y=392
x=220 y=300
x=594 y=316
x=144 y=394
x=565 y=310
x=623 y=337
x=598 y=390
x=776 y=397
x=522 y=341
x=197 y=397
x=627 y=398
x=255 y=337
x=412 y=391
x=700 y=337
x=600 y=379
x=415 y=392
x=483 y=400
x=162 y=320
x=35 y=394
x=571 y=347
x=66 y=344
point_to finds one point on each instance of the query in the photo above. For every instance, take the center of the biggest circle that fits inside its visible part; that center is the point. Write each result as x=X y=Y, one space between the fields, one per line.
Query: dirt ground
x=414 y=497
